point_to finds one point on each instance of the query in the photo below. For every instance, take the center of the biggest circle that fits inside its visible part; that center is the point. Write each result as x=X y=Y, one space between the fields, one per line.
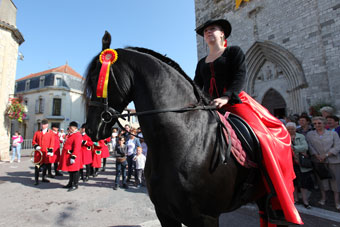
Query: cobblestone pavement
x=96 y=204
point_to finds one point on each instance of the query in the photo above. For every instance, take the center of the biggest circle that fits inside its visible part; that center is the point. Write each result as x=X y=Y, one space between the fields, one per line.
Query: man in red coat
x=96 y=157
x=56 y=149
x=86 y=148
x=105 y=151
x=71 y=157
x=43 y=141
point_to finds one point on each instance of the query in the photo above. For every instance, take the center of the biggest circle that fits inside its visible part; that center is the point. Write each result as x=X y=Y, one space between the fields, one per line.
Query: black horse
x=181 y=146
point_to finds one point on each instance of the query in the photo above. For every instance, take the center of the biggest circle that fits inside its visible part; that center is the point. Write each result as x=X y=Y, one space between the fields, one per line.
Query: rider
x=222 y=75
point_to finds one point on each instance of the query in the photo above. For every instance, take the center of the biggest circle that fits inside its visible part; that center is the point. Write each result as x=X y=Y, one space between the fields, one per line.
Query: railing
x=27 y=144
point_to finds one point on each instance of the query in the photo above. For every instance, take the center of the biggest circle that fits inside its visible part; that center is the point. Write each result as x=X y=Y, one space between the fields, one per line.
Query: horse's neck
x=166 y=90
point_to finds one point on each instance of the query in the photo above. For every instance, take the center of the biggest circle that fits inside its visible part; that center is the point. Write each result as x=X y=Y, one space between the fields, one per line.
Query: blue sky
x=57 y=32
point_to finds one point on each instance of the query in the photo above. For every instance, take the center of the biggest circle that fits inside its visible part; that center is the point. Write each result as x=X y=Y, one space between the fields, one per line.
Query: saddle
x=246 y=135
x=245 y=146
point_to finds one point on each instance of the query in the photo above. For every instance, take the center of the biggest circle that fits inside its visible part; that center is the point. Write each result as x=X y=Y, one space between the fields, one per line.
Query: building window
x=56 y=107
x=27 y=86
x=42 y=81
x=39 y=105
x=59 y=82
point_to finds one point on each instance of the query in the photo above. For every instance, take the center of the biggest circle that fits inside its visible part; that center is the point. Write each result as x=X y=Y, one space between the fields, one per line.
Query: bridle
x=109 y=113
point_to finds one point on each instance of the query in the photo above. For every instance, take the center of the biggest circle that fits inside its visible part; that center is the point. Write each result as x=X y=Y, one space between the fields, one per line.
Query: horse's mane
x=174 y=65
x=161 y=57
x=93 y=64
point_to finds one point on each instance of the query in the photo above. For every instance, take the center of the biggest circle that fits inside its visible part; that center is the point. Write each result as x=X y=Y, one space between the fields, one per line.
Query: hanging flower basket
x=16 y=110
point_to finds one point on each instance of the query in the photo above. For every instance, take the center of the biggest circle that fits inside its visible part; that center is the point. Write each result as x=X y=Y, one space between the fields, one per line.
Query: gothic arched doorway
x=270 y=65
x=275 y=103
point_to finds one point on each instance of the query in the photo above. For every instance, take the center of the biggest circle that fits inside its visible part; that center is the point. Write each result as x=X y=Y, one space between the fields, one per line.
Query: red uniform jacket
x=105 y=149
x=72 y=147
x=45 y=141
x=56 y=150
x=86 y=148
x=97 y=155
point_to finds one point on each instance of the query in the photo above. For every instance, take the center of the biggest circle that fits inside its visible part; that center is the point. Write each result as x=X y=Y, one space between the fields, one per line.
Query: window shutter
x=42 y=105
x=37 y=106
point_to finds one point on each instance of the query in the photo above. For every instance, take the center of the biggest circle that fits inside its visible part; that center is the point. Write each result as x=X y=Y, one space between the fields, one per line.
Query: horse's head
x=101 y=111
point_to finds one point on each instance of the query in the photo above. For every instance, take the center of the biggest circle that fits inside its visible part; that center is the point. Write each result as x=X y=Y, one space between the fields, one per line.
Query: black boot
x=36 y=175
x=44 y=174
x=75 y=181
x=95 y=172
x=70 y=181
x=87 y=172
x=104 y=165
x=81 y=171
x=57 y=173
x=49 y=168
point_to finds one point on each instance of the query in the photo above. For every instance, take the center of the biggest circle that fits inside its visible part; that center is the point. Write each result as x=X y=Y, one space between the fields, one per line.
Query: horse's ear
x=106 y=40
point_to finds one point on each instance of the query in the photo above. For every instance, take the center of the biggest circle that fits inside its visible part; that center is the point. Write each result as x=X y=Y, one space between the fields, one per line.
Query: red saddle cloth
x=236 y=147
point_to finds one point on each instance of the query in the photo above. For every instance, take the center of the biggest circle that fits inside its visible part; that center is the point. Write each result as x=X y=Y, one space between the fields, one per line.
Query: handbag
x=304 y=161
x=322 y=170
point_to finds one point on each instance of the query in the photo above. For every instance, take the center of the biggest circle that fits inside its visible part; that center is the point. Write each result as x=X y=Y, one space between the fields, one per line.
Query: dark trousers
x=56 y=167
x=73 y=178
x=37 y=170
x=49 y=168
x=88 y=169
x=121 y=169
x=104 y=163
x=131 y=166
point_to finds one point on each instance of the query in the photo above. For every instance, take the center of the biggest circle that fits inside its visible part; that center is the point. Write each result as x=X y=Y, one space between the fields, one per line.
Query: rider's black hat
x=225 y=25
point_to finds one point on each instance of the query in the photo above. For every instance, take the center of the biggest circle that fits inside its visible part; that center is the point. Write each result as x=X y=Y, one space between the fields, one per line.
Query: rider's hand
x=220 y=102
x=38 y=148
x=72 y=161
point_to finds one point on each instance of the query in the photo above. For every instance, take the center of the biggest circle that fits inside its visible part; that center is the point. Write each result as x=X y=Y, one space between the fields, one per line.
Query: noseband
x=108 y=113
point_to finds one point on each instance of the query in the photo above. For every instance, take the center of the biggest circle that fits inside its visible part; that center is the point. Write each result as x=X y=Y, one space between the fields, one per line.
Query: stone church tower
x=292 y=49
x=10 y=39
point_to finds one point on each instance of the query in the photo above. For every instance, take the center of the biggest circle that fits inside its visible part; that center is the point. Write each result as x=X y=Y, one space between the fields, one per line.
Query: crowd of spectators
x=317 y=140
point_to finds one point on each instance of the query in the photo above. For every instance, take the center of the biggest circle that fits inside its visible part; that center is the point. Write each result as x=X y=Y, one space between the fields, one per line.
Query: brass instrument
x=37 y=164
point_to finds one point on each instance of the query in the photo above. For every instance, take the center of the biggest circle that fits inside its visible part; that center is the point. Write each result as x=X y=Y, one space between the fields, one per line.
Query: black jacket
x=120 y=151
x=230 y=74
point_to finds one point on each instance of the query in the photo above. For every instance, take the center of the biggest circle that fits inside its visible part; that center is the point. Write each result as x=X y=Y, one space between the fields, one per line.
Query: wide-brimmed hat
x=225 y=25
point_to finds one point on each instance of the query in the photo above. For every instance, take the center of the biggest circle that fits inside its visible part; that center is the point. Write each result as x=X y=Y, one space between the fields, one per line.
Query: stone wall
x=8 y=62
x=299 y=38
x=10 y=39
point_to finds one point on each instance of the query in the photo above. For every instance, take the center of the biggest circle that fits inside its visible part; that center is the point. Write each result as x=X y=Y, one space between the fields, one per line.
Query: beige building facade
x=55 y=94
x=10 y=39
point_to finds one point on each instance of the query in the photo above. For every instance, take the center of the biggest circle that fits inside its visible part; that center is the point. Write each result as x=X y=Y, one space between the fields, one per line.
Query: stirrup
x=276 y=216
